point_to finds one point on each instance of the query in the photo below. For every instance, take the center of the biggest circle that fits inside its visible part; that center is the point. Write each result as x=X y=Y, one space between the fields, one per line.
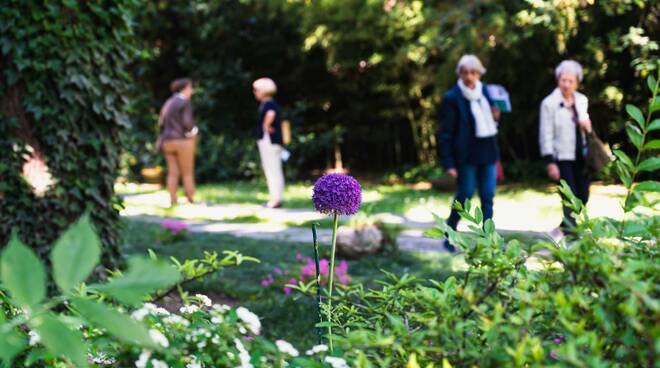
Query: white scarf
x=483 y=116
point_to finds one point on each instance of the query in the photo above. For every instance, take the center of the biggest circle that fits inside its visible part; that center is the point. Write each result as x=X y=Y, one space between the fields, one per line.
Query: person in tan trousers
x=177 y=139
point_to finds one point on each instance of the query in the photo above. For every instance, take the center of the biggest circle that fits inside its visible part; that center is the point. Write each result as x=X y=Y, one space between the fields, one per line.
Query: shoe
x=448 y=246
x=273 y=205
x=557 y=235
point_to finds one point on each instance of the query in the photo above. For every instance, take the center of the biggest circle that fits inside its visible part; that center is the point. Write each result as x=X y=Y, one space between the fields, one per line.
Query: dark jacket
x=176 y=118
x=269 y=105
x=456 y=138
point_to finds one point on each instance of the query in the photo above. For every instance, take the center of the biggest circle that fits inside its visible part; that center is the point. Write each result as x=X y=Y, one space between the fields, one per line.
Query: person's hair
x=179 y=84
x=470 y=62
x=266 y=86
x=570 y=67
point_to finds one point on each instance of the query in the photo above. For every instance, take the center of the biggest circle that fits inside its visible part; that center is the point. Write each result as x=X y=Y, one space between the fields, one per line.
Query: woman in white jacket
x=563 y=127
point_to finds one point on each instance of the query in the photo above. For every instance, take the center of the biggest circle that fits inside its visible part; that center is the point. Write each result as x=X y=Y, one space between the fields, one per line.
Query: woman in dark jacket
x=467 y=139
x=178 y=135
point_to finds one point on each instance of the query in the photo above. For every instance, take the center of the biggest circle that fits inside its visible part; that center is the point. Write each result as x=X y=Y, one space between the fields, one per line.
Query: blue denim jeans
x=471 y=177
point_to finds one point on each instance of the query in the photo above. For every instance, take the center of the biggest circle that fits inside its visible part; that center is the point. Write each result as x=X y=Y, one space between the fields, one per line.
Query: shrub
x=90 y=325
x=589 y=300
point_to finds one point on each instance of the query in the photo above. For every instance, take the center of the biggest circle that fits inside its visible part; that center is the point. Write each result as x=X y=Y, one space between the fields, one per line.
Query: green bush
x=591 y=299
x=90 y=325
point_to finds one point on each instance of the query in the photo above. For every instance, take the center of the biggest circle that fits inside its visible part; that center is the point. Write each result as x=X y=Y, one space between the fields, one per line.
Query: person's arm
x=187 y=117
x=269 y=118
x=546 y=140
x=581 y=105
x=447 y=118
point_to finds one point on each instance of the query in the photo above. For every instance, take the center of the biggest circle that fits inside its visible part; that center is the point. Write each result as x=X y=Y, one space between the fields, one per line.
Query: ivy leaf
x=75 y=255
x=634 y=135
x=144 y=276
x=22 y=273
x=12 y=343
x=636 y=114
x=60 y=340
x=647 y=186
x=650 y=164
x=117 y=324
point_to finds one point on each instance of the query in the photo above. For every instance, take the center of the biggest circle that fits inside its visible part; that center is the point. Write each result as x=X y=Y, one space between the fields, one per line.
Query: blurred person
x=563 y=125
x=467 y=139
x=177 y=139
x=268 y=133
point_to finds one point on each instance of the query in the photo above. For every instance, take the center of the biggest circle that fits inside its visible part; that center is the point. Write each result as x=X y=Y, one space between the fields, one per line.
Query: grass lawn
x=289 y=317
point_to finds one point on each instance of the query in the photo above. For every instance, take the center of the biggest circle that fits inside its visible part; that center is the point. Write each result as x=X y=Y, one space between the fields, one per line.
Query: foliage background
x=366 y=77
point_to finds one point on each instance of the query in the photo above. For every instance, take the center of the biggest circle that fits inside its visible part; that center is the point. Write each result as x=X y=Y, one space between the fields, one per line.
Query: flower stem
x=318 y=282
x=335 y=223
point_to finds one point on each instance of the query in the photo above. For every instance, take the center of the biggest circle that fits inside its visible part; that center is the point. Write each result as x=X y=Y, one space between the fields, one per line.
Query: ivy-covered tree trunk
x=63 y=99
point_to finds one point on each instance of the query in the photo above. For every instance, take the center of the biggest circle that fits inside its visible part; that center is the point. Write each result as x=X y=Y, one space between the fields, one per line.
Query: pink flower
x=268 y=280
x=299 y=257
x=558 y=340
x=248 y=338
x=324 y=266
x=287 y=290
x=174 y=226
x=278 y=271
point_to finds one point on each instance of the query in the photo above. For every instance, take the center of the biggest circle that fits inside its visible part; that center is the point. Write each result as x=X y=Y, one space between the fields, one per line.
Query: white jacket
x=556 y=125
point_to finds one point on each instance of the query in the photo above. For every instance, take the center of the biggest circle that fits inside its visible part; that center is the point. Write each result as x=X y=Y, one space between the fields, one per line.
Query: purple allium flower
x=337 y=194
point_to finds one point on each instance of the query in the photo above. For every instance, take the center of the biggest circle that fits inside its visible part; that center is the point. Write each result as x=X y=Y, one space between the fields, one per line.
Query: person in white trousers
x=269 y=139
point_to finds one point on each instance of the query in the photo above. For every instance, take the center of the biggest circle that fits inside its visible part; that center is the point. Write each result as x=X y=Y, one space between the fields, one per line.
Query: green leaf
x=12 y=343
x=647 y=186
x=75 y=255
x=652 y=83
x=22 y=273
x=634 y=135
x=652 y=145
x=655 y=125
x=144 y=276
x=489 y=226
x=650 y=164
x=623 y=157
x=478 y=215
x=60 y=340
x=655 y=105
x=636 y=114
x=117 y=324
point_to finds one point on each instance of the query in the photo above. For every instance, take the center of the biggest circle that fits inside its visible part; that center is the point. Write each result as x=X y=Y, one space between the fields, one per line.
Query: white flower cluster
x=243 y=355
x=204 y=300
x=250 y=319
x=176 y=319
x=34 y=338
x=286 y=348
x=159 y=338
x=189 y=309
x=149 y=309
x=102 y=359
x=317 y=349
x=143 y=360
x=193 y=362
x=336 y=362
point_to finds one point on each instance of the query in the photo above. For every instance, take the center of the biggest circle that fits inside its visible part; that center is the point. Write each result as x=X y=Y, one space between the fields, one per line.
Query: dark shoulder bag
x=598 y=156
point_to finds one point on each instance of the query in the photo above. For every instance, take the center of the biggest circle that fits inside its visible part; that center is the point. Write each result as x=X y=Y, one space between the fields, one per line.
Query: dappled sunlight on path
x=529 y=212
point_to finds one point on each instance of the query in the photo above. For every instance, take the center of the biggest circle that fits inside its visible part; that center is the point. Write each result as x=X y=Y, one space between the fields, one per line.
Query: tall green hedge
x=63 y=93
